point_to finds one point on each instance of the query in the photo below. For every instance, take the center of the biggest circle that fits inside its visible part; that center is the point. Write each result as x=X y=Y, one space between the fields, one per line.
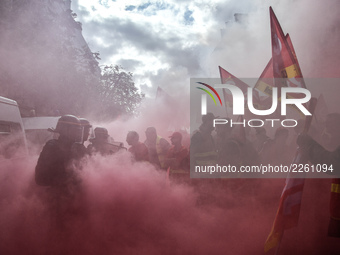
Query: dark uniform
x=54 y=167
x=57 y=169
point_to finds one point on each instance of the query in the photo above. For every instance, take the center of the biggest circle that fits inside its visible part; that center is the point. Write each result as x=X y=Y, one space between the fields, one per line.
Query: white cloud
x=167 y=42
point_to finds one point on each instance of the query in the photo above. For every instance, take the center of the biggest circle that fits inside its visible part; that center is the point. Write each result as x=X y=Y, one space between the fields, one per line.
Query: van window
x=12 y=140
x=5 y=128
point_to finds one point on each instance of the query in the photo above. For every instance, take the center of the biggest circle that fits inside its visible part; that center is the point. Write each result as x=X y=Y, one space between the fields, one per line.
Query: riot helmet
x=69 y=126
x=101 y=134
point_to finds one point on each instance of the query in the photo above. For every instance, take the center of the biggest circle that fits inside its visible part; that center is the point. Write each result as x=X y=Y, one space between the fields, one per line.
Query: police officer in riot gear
x=99 y=142
x=58 y=169
x=103 y=143
x=55 y=163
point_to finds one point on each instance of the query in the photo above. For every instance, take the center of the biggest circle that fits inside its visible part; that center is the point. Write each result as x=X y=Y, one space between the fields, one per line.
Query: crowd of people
x=209 y=145
x=239 y=146
x=62 y=158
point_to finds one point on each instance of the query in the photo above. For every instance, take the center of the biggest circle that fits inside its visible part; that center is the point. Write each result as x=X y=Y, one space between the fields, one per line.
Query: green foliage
x=118 y=92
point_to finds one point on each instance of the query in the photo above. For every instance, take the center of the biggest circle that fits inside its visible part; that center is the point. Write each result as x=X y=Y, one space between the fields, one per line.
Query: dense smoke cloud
x=130 y=208
x=165 y=115
x=126 y=208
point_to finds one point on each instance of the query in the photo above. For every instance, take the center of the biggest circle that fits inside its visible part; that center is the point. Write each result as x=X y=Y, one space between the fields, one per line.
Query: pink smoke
x=129 y=208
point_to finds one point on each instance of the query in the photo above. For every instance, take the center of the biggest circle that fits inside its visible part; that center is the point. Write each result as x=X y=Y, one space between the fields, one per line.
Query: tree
x=118 y=93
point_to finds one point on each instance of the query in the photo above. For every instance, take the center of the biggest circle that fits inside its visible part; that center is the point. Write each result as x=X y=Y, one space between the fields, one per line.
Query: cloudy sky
x=164 y=43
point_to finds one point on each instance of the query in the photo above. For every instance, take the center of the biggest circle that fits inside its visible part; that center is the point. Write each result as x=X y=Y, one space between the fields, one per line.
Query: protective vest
x=161 y=155
x=335 y=199
x=207 y=158
x=206 y=154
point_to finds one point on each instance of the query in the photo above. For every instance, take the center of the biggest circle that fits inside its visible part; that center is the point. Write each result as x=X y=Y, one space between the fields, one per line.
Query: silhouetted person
x=57 y=168
x=137 y=149
x=157 y=147
x=100 y=142
x=54 y=166
x=177 y=156
x=228 y=148
x=202 y=146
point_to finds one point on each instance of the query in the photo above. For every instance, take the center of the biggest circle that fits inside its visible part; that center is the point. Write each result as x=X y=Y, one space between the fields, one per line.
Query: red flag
x=284 y=63
x=287 y=215
x=265 y=84
x=298 y=80
x=227 y=77
x=290 y=44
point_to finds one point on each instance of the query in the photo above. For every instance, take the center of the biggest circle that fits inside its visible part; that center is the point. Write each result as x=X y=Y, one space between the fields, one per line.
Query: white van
x=12 y=135
x=37 y=134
